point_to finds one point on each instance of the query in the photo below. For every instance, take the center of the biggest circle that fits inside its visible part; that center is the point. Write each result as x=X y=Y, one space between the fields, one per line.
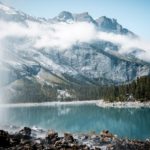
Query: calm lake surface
x=125 y=122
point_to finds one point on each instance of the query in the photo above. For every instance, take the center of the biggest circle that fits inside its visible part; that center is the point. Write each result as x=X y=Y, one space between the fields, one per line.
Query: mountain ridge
x=102 y=22
x=51 y=71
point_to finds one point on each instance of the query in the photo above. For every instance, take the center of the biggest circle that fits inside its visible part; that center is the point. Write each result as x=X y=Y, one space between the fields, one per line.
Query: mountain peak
x=84 y=17
x=64 y=16
x=111 y=25
x=107 y=23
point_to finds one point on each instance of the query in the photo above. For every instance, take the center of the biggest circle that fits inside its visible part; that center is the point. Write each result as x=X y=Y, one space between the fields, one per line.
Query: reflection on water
x=133 y=123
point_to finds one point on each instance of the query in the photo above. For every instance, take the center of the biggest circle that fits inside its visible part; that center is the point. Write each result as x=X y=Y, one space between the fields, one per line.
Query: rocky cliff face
x=44 y=72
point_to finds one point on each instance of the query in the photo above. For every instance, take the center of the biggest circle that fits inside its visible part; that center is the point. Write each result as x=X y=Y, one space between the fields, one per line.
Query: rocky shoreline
x=126 y=104
x=26 y=139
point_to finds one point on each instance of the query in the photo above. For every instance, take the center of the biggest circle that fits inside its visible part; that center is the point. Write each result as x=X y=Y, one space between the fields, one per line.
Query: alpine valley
x=64 y=58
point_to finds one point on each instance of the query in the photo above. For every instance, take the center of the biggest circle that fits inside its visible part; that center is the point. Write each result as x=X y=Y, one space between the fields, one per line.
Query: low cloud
x=64 y=36
x=128 y=44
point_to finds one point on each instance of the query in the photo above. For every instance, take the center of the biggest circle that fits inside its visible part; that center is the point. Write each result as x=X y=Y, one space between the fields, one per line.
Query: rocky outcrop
x=105 y=140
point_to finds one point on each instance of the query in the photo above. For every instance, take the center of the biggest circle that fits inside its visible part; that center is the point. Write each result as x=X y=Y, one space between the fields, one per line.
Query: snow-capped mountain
x=38 y=61
x=102 y=23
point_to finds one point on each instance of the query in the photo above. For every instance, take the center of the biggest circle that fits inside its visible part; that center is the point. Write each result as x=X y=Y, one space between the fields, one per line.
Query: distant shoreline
x=99 y=103
x=53 y=103
x=129 y=104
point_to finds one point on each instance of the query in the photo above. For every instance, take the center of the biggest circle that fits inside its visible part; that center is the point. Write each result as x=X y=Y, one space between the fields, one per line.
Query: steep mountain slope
x=33 y=73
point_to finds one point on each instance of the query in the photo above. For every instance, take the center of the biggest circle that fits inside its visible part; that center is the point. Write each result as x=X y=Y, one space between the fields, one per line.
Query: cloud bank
x=64 y=36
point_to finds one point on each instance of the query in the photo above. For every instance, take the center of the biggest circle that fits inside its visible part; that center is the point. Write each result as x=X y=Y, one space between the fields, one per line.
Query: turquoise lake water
x=125 y=122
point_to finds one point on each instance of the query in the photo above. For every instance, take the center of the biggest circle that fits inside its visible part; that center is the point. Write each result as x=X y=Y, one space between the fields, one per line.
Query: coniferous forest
x=138 y=89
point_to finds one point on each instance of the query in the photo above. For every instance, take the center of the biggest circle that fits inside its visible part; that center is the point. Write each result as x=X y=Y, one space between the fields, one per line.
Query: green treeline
x=32 y=91
x=138 y=89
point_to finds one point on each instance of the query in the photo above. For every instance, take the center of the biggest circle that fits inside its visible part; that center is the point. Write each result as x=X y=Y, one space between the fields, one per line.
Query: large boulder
x=25 y=131
x=52 y=137
x=68 y=138
x=4 y=139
